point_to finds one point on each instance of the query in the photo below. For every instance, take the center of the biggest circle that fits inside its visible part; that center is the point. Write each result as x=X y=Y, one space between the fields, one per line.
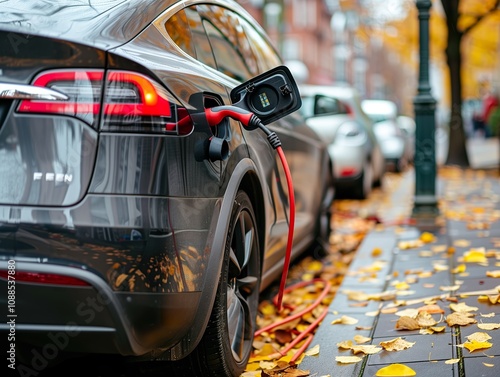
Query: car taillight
x=131 y=102
x=44 y=278
x=135 y=103
x=347 y=172
x=83 y=87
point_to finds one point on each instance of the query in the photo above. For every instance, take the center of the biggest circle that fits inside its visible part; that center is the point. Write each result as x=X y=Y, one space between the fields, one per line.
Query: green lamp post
x=425 y=202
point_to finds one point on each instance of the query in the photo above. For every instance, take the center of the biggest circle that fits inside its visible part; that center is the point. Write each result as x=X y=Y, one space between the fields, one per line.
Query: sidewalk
x=393 y=264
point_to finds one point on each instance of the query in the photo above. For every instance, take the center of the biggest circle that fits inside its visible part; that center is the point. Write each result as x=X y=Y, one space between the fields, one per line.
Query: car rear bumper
x=348 y=162
x=393 y=148
x=145 y=259
x=94 y=318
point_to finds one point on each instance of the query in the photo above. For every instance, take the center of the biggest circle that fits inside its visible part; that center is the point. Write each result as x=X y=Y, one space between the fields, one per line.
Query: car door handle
x=20 y=91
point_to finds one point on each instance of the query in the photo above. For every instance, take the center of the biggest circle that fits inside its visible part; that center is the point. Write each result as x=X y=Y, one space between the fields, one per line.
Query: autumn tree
x=460 y=23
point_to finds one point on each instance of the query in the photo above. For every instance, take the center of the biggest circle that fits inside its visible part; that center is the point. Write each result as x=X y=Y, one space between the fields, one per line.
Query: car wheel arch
x=243 y=177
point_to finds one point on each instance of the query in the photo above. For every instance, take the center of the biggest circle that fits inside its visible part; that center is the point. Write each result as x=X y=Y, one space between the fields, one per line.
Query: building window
x=291 y=49
x=304 y=13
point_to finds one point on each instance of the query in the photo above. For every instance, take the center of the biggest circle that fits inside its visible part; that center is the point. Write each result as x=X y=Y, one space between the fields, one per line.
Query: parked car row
x=365 y=137
x=358 y=162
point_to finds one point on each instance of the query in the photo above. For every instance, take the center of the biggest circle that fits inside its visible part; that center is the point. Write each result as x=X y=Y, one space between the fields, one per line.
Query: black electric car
x=130 y=224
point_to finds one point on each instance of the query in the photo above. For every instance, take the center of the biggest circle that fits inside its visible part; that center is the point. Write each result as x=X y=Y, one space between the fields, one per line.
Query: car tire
x=226 y=345
x=228 y=338
x=364 y=183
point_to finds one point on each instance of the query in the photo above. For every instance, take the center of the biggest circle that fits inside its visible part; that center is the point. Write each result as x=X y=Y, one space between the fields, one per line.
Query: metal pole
x=425 y=202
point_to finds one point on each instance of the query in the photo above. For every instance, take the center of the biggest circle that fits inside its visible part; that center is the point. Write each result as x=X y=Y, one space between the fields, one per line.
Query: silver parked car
x=393 y=141
x=335 y=113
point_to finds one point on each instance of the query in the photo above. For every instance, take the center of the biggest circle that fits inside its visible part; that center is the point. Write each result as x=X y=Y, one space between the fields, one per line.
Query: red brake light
x=347 y=172
x=83 y=87
x=130 y=93
x=135 y=103
x=132 y=101
x=43 y=278
x=349 y=110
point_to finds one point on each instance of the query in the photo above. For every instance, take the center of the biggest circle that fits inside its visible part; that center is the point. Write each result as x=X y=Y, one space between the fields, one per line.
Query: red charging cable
x=291 y=227
x=250 y=121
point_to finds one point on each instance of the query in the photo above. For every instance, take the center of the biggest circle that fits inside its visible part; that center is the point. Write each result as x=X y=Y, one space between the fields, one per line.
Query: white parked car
x=393 y=141
x=335 y=113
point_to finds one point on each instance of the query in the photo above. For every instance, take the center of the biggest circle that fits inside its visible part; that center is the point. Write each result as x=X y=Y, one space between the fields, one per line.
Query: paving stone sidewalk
x=469 y=219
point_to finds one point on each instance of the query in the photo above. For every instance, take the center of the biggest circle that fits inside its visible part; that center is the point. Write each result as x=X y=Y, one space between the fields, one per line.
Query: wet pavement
x=395 y=270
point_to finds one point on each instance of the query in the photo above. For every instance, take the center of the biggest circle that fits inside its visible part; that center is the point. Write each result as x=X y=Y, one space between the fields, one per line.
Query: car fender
x=214 y=267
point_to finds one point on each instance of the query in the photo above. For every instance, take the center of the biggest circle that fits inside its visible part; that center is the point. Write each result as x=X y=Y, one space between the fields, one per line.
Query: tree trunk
x=457 y=152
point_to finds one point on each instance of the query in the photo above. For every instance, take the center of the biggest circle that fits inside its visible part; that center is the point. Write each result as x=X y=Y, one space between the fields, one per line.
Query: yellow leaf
x=267 y=309
x=449 y=288
x=348 y=359
x=268 y=349
x=313 y=351
x=438 y=328
x=493 y=274
x=401 y=286
x=488 y=365
x=489 y=315
x=427 y=237
x=396 y=344
x=479 y=337
x=489 y=326
x=460 y=319
x=462 y=243
x=357 y=295
x=315 y=266
x=360 y=339
x=267 y=364
x=431 y=309
x=492 y=299
x=389 y=310
x=452 y=361
x=345 y=320
x=376 y=252
x=405 y=245
x=426 y=254
x=475 y=345
x=424 y=319
x=253 y=367
x=462 y=307
x=440 y=267
x=369 y=349
x=459 y=269
x=407 y=323
x=439 y=248
x=428 y=331
x=395 y=370
x=477 y=255
x=346 y=344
